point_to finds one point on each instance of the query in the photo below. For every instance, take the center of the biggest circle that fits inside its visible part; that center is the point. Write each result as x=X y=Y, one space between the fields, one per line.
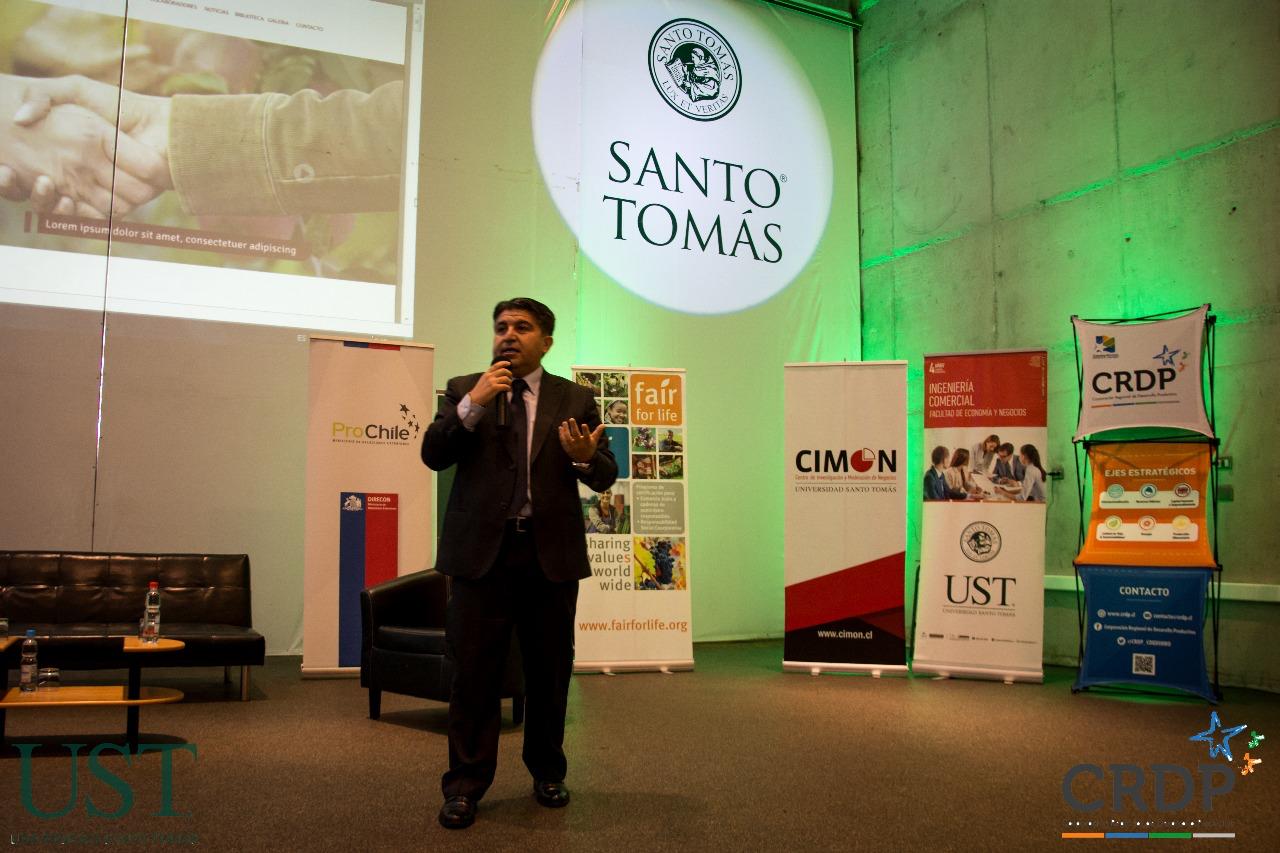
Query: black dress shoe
x=458 y=813
x=553 y=795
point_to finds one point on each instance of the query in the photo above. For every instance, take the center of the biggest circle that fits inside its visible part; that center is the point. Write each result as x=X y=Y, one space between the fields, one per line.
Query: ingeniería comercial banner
x=980 y=599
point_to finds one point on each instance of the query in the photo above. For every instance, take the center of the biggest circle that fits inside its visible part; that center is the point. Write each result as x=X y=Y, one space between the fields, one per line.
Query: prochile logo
x=980 y=542
x=674 y=177
x=400 y=433
x=859 y=461
x=1165 y=787
x=694 y=69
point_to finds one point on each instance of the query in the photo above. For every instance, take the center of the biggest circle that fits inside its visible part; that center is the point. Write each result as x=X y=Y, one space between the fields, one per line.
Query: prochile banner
x=980 y=600
x=633 y=612
x=1148 y=505
x=1146 y=627
x=368 y=493
x=1142 y=374
x=845 y=516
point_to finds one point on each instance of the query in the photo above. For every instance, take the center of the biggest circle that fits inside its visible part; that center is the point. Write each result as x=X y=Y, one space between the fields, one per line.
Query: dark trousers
x=514 y=594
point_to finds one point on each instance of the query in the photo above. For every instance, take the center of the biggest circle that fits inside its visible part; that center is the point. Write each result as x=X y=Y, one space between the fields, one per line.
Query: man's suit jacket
x=479 y=504
x=1011 y=470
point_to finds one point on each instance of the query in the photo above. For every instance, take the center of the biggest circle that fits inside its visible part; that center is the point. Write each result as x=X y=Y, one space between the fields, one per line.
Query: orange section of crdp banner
x=1148 y=505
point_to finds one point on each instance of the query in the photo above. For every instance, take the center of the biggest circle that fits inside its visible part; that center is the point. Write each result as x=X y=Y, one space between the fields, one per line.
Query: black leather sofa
x=402 y=647
x=81 y=603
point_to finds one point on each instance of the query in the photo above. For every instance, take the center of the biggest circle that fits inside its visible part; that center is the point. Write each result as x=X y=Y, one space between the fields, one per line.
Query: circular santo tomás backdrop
x=980 y=542
x=695 y=69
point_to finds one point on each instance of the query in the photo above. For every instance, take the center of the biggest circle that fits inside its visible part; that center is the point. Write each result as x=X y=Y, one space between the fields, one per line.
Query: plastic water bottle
x=151 y=615
x=27 y=675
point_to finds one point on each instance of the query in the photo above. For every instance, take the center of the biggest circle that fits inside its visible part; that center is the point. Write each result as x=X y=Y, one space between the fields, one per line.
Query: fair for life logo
x=689 y=155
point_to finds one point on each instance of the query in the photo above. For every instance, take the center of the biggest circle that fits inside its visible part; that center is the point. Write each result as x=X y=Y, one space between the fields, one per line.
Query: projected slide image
x=233 y=153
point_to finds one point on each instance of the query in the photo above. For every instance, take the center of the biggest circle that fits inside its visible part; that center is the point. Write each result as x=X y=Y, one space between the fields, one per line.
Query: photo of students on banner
x=992 y=470
x=1148 y=505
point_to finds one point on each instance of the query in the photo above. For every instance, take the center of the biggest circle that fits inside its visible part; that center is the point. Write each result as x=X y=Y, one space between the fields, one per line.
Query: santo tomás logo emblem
x=694 y=69
x=980 y=542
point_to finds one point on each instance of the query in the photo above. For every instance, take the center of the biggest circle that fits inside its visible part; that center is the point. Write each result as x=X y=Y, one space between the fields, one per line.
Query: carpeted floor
x=734 y=756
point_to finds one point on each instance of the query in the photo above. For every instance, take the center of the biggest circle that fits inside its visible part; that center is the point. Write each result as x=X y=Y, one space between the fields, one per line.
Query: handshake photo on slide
x=217 y=150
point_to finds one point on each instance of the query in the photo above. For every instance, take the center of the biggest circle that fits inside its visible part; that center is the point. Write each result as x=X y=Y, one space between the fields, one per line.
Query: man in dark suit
x=1009 y=468
x=514 y=543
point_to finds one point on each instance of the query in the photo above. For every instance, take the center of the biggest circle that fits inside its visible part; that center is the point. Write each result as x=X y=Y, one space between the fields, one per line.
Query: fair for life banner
x=1142 y=374
x=846 y=529
x=634 y=610
x=980 y=599
x=368 y=515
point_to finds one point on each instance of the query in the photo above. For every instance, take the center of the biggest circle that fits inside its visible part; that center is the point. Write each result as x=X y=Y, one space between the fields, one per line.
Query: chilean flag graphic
x=368 y=547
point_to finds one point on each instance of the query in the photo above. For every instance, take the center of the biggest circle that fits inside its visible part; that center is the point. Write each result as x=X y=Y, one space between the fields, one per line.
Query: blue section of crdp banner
x=1145 y=626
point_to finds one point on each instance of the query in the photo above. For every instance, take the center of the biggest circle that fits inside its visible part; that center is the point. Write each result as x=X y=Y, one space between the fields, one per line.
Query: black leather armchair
x=402 y=643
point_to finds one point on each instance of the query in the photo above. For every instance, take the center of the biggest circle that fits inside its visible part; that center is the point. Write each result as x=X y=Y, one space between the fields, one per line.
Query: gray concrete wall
x=1026 y=160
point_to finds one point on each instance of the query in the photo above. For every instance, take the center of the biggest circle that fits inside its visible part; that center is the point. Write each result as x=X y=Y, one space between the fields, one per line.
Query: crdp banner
x=1148 y=505
x=634 y=610
x=1142 y=374
x=980 y=599
x=845 y=516
x=1145 y=626
x=368 y=516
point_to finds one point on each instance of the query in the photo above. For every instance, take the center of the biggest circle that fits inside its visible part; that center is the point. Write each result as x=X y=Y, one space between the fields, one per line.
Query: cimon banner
x=980 y=605
x=368 y=493
x=633 y=612
x=845 y=516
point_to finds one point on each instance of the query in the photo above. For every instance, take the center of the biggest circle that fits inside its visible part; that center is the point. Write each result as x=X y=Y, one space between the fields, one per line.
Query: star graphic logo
x=1226 y=734
x=1166 y=355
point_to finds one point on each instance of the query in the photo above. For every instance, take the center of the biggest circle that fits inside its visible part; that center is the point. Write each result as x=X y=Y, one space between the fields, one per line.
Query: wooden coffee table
x=131 y=697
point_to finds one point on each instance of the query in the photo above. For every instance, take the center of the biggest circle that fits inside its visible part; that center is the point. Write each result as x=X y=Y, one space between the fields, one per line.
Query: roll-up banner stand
x=1142 y=374
x=846 y=457
x=634 y=610
x=980 y=597
x=368 y=516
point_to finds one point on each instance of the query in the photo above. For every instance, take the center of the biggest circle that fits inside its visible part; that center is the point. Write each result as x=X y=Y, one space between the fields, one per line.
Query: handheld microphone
x=501 y=406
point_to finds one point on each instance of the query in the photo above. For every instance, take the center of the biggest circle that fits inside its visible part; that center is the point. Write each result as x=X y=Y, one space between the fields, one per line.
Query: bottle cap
x=31 y=632
x=155 y=584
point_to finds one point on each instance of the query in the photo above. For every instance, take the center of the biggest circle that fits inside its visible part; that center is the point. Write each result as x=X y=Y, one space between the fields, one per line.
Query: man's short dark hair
x=1007 y=447
x=939 y=455
x=541 y=314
